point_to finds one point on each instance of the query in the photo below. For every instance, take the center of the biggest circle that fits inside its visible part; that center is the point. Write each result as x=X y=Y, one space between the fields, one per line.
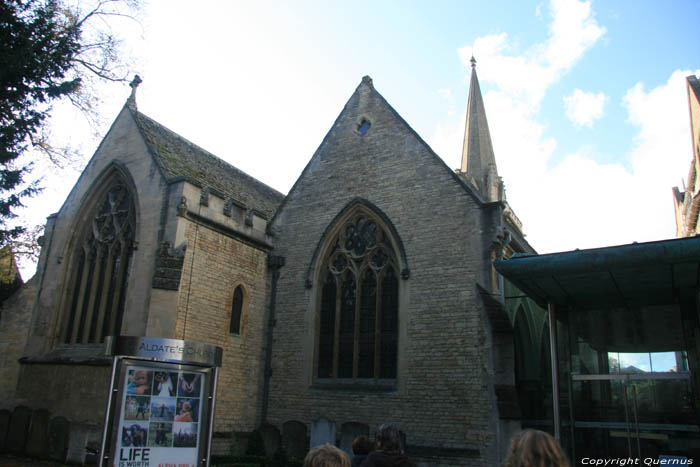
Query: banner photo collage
x=159 y=422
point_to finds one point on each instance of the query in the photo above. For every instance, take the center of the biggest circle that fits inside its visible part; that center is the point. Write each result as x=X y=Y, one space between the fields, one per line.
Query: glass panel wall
x=533 y=368
x=631 y=384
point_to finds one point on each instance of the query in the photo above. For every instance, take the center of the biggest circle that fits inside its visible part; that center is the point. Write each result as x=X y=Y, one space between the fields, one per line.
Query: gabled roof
x=368 y=84
x=180 y=159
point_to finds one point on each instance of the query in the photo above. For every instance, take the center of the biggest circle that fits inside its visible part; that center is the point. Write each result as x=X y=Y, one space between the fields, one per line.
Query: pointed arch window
x=236 y=311
x=97 y=292
x=358 y=306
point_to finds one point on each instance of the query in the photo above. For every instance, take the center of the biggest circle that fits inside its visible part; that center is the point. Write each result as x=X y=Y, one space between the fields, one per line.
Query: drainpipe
x=274 y=263
x=553 y=342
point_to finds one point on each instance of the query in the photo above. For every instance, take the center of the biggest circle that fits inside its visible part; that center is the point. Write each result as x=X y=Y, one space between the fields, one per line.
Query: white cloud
x=584 y=108
x=573 y=31
x=662 y=150
x=522 y=81
x=578 y=202
x=527 y=77
x=445 y=93
x=538 y=11
x=447 y=96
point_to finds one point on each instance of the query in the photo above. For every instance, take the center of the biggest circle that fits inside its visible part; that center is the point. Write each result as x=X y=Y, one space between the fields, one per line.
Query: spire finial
x=134 y=85
x=473 y=62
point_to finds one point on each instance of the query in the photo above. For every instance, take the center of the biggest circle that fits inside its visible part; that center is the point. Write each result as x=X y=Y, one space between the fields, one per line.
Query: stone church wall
x=15 y=319
x=215 y=264
x=71 y=380
x=123 y=149
x=77 y=392
x=443 y=397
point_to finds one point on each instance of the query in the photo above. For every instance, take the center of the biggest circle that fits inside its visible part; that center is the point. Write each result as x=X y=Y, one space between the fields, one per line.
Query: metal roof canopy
x=627 y=276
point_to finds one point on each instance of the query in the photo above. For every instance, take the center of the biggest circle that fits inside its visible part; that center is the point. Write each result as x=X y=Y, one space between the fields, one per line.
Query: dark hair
x=535 y=448
x=389 y=438
x=362 y=445
x=326 y=455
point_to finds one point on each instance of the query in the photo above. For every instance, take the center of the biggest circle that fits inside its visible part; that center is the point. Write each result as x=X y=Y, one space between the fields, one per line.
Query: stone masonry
x=202 y=228
x=214 y=266
x=442 y=360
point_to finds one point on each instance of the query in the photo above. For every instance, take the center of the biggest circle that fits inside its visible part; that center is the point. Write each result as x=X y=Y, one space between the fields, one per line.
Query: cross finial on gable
x=134 y=85
x=135 y=82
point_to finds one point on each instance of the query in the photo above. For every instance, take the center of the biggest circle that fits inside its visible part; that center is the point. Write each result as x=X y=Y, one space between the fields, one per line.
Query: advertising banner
x=160 y=409
x=160 y=417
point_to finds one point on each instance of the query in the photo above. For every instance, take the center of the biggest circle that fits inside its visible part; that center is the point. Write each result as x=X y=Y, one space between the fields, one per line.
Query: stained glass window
x=101 y=269
x=358 y=308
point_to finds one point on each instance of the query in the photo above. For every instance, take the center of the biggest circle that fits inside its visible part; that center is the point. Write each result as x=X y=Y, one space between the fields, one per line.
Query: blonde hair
x=535 y=448
x=326 y=455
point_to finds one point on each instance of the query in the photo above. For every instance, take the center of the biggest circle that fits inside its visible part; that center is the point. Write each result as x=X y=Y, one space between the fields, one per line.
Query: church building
x=366 y=295
x=687 y=201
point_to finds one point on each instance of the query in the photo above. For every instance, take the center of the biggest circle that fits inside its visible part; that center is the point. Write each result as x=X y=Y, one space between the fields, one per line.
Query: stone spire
x=478 y=161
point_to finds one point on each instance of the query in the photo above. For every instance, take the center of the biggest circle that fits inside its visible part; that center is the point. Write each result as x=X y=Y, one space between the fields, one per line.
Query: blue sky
x=586 y=101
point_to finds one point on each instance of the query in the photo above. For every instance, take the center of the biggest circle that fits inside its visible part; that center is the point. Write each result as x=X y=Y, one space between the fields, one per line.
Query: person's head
x=186 y=407
x=140 y=378
x=535 y=448
x=389 y=438
x=362 y=445
x=326 y=455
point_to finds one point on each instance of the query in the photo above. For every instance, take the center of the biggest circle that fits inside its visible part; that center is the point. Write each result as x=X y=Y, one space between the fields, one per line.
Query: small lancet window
x=236 y=310
x=364 y=126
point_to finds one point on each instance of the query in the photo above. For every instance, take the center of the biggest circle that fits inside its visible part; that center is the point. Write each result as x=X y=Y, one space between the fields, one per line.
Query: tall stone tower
x=478 y=161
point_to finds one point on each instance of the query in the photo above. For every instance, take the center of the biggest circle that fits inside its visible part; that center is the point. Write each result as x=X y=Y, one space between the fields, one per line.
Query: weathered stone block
x=5 y=416
x=37 y=441
x=82 y=441
x=58 y=438
x=19 y=429
x=294 y=439
x=322 y=432
x=271 y=438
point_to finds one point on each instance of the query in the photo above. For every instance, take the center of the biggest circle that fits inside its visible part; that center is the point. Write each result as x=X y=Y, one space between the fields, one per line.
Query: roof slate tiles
x=178 y=158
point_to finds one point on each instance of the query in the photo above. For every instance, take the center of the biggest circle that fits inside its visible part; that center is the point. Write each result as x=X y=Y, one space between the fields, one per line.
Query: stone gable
x=440 y=224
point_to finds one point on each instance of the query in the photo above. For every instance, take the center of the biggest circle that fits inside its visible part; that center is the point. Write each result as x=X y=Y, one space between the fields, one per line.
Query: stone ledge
x=247 y=237
x=76 y=354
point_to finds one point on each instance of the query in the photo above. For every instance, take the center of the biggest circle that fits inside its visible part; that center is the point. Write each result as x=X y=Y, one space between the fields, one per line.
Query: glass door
x=634 y=415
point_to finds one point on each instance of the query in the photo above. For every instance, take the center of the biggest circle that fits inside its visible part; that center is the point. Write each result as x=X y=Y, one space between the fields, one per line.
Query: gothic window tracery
x=101 y=267
x=358 y=307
